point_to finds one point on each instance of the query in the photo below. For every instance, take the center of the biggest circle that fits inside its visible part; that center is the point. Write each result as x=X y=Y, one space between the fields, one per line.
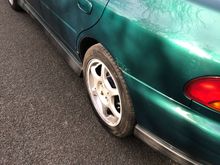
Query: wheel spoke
x=95 y=76
x=113 y=91
x=112 y=108
x=104 y=109
x=103 y=73
x=111 y=118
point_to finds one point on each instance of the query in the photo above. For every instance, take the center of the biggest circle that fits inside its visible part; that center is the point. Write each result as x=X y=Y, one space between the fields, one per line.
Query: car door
x=67 y=18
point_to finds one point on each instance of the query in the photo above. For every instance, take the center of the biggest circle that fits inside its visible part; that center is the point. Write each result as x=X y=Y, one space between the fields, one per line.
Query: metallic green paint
x=85 y=5
x=66 y=18
x=160 y=46
x=171 y=41
x=35 y=4
x=179 y=125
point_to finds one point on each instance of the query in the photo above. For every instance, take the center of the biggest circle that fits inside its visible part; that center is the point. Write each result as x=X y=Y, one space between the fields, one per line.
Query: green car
x=151 y=67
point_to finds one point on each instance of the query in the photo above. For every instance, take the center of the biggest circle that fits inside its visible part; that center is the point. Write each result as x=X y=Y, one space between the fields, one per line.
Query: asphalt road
x=45 y=115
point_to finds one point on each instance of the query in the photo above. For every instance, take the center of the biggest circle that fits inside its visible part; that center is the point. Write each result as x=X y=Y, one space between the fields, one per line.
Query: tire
x=108 y=92
x=14 y=5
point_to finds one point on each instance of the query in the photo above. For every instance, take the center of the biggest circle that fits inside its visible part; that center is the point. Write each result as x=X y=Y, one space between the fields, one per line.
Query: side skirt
x=162 y=146
x=68 y=56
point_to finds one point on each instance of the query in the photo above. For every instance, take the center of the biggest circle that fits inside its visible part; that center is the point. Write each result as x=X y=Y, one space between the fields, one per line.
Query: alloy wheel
x=104 y=92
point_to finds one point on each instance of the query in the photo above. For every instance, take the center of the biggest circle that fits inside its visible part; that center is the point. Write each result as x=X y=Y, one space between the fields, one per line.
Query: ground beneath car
x=45 y=116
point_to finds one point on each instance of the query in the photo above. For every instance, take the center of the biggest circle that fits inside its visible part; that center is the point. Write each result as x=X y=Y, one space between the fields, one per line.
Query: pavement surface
x=45 y=115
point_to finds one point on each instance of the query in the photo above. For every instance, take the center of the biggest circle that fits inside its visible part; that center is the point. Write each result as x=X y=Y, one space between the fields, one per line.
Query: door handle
x=85 y=6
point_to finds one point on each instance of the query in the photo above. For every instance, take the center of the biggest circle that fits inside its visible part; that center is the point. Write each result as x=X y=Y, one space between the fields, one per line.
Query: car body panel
x=163 y=45
x=163 y=54
x=163 y=37
x=182 y=127
x=70 y=18
x=160 y=46
x=66 y=19
x=36 y=5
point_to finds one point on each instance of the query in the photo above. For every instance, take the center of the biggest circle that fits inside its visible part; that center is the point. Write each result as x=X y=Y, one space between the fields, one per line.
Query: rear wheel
x=14 y=5
x=108 y=92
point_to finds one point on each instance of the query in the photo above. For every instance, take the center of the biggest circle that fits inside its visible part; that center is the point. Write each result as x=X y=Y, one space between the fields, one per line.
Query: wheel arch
x=84 y=44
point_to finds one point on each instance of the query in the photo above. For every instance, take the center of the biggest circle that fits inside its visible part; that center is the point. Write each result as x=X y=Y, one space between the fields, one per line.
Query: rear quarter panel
x=161 y=43
x=160 y=46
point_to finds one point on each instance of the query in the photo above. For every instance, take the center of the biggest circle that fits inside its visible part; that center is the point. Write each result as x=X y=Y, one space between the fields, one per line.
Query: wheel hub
x=103 y=93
